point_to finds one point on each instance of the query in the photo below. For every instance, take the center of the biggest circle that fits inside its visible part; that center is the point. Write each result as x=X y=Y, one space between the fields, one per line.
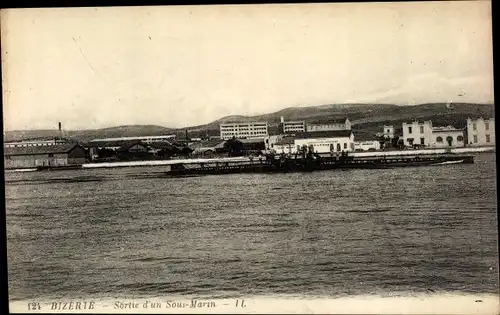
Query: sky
x=181 y=66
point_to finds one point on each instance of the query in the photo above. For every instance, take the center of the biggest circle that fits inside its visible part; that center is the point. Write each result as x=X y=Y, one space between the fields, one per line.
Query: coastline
x=247 y=159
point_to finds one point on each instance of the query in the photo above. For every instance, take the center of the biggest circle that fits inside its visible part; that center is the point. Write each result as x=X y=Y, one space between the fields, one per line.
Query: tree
x=186 y=151
x=234 y=147
x=395 y=142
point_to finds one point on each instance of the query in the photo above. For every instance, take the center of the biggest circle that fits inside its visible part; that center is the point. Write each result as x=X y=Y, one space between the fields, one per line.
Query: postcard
x=333 y=158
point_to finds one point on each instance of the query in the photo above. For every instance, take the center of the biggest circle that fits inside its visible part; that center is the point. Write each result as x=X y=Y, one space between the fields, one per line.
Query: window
x=486 y=126
x=422 y=141
x=474 y=126
x=409 y=129
x=421 y=129
x=488 y=138
x=410 y=141
x=298 y=148
x=439 y=139
x=338 y=146
x=460 y=138
x=345 y=146
x=475 y=138
x=388 y=130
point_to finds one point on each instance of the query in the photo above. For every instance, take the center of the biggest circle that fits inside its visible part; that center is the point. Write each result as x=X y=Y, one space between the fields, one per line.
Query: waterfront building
x=326 y=141
x=317 y=142
x=242 y=130
x=367 y=145
x=481 y=132
x=146 y=139
x=253 y=144
x=273 y=139
x=417 y=133
x=284 y=145
x=446 y=137
x=37 y=142
x=46 y=155
x=365 y=141
x=334 y=126
x=388 y=131
x=292 y=126
x=207 y=147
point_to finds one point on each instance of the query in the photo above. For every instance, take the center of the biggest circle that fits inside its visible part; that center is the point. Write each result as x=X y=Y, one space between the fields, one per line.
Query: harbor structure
x=333 y=126
x=133 y=149
x=57 y=155
x=417 y=133
x=446 y=137
x=364 y=141
x=309 y=161
x=243 y=130
x=317 y=142
x=480 y=132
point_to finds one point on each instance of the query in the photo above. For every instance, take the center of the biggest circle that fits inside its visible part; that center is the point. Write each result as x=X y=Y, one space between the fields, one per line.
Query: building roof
x=364 y=136
x=161 y=145
x=252 y=140
x=127 y=145
x=236 y=122
x=324 y=134
x=286 y=141
x=420 y=122
x=42 y=139
x=112 y=143
x=212 y=143
x=134 y=138
x=447 y=129
x=327 y=121
x=480 y=117
x=44 y=149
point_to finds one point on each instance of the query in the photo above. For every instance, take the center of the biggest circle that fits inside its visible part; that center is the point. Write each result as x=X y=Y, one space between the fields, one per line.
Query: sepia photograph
x=327 y=158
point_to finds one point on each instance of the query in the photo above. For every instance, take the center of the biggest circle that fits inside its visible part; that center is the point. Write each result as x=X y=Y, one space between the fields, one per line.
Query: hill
x=368 y=117
x=363 y=116
x=89 y=134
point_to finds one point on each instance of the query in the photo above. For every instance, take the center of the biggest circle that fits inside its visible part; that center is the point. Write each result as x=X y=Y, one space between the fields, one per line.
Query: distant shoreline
x=244 y=158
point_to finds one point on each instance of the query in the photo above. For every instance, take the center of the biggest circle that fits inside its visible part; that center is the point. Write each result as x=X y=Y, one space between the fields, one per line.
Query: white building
x=334 y=126
x=326 y=141
x=480 y=132
x=447 y=137
x=243 y=130
x=271 y=140
x=146 y=139
x=417 y=133
x=292 y=126
x=284 y=145
x=367 y=145
x=317 y=142
x=36 y=143
x=388 y=131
